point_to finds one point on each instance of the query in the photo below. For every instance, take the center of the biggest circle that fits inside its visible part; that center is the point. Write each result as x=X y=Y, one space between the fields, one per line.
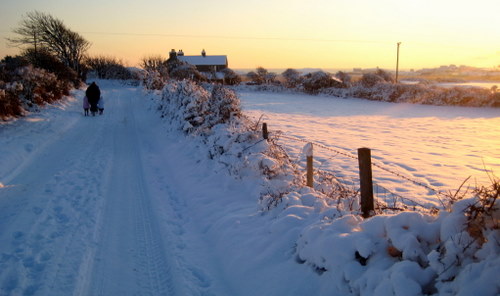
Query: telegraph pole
x=397 y=62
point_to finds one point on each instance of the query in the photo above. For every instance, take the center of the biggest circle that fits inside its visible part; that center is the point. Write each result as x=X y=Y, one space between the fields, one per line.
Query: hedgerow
x=26 y=88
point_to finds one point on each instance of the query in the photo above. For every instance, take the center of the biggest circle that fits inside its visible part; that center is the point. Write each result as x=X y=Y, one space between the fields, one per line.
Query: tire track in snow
x=190 y=263
x=130 y=258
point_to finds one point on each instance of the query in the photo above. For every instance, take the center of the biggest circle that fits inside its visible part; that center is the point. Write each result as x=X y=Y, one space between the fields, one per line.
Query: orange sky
x=338 y=34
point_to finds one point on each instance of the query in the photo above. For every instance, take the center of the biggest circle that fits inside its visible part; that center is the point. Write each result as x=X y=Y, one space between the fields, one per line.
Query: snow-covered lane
x=89 y=210
x=129 y=257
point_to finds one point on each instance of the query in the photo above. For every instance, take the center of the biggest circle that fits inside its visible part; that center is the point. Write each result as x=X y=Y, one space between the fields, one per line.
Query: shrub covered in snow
x=10 y=104
x=154 y=80
x=196 y=108
x=292 y=78
x=31 y=80
x=345 y=78
x=315 y=81
x=26 y=88
x=370 y=80
x=43 y=59
x=261 y=76
x=232 y=139
x=231 y=77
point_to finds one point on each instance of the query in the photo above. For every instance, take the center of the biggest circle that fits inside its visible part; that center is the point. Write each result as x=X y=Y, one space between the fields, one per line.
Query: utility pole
x=397 y=63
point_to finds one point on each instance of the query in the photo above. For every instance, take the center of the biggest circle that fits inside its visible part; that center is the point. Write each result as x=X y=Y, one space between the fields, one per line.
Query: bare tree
x=153 y=63
x=108 y=68
x=40 y=30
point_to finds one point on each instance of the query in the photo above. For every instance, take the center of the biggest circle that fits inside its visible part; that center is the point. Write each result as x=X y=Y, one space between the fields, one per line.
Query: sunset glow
x=325 y=34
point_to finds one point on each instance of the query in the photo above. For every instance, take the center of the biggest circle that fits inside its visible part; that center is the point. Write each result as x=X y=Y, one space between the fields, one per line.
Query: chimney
x=172 y=54
x=203 y=53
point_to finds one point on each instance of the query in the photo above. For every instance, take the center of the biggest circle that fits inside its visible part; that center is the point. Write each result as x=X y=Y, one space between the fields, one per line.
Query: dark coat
x=93 y=93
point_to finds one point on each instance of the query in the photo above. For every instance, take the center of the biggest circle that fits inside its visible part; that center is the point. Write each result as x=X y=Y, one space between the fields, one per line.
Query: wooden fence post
x=308 y=150
x=265 y=134
x=366 y=183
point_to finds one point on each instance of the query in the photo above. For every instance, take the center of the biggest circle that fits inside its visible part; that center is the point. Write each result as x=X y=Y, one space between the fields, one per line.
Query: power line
x=300 y=39
x=237 y=37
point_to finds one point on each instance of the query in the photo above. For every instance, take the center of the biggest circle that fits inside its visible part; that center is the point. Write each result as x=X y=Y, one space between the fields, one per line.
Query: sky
x=327 y=34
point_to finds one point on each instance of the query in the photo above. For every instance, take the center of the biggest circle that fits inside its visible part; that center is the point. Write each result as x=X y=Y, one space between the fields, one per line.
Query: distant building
x=210 y=65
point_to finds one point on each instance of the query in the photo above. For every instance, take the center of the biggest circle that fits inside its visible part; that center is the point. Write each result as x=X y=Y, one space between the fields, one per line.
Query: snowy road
x=86 y=210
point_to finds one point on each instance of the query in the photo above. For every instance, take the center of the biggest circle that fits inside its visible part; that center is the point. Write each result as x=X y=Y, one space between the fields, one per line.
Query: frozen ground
x=436 y=146
x=116 y=205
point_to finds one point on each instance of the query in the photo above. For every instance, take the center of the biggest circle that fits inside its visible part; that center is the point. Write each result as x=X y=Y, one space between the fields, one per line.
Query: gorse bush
x=292 y=78
x=24 y=87
x=213 y=114
x=156 y=72
x=40 y=86
x=198 y=109
x=315 y=81
x=230 y=77
x=43 y=59
x=153 y=80
x=10 y=104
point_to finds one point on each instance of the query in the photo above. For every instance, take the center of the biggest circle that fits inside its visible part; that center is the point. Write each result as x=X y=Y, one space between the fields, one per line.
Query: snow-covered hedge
x=420 y=94
x=10 y=104
x=214 y=115
x=26 y=88
x=154 y=80
x=455 y=252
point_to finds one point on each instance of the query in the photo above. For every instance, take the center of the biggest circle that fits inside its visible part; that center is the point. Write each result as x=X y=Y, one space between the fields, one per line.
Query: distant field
x=492 y=77
x=487 y=85
x=480 y=84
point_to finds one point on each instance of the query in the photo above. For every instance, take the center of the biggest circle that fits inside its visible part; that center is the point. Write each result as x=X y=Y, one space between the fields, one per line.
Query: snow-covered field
x=121 y=204
x=487 y=85
x=478 y=84
x=437 y=146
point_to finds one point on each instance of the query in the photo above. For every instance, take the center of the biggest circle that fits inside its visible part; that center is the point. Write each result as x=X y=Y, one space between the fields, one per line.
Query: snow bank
x=410 y=253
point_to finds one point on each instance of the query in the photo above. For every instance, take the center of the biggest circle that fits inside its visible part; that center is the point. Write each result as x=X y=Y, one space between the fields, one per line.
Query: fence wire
x=280 y=134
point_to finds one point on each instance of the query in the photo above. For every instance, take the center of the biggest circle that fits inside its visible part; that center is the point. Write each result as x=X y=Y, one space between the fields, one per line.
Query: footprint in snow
x=28 y=147
x=37 y=210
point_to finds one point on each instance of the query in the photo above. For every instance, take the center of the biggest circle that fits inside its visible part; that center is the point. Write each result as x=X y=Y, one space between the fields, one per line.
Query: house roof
x=214 y=60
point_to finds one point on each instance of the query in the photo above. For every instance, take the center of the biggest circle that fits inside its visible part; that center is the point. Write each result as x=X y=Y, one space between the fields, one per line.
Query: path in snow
x=85 y=210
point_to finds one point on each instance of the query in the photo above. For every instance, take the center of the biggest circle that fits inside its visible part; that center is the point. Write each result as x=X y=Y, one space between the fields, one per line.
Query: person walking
x=86 y=106
x=93 y=94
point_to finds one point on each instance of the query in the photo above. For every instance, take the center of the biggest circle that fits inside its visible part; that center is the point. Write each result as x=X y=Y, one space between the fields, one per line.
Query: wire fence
x=395 y=196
